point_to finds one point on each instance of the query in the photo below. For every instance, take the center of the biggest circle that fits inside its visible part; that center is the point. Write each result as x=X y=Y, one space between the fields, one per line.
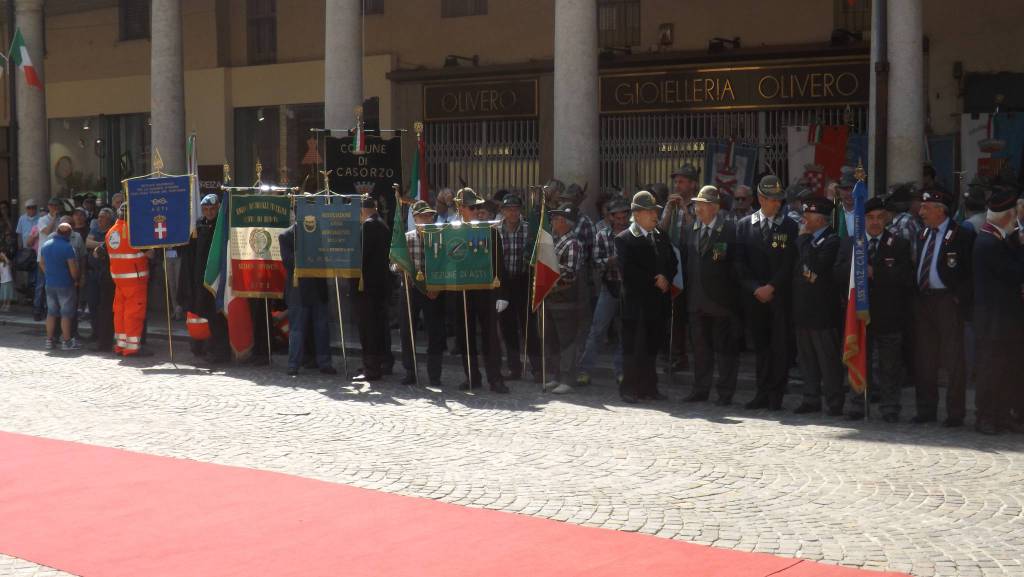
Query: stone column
x=576 y=134
x=343 y=62
x=33 y=148
x=906 y=92
x=167 y=85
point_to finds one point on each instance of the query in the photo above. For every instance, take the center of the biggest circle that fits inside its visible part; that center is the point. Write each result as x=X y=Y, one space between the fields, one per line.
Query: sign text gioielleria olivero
x=771 y=86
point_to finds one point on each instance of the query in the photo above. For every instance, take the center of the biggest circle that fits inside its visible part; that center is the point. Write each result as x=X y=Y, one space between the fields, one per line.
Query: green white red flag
x=18 y=54
x=544 y=261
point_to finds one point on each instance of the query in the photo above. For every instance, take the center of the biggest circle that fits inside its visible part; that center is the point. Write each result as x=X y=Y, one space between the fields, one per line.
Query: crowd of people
x=765 y=269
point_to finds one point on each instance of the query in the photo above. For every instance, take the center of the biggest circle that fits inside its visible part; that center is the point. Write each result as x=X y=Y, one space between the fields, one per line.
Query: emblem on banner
x=259 y=242
x=160 y=227
x=364 y=188
x=309 y=223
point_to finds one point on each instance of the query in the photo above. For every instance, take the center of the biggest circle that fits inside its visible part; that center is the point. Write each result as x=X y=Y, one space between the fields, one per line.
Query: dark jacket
x=711 y=283
x=998 y=279
x=311 y=290
x=815 y=294
x=954 y=264
x=193 y=296
x=376 y=251
x=891 y=287
x=639 y=263
x=760 y=261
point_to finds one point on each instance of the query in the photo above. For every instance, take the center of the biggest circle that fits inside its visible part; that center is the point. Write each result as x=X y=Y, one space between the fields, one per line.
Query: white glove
x=500 y=305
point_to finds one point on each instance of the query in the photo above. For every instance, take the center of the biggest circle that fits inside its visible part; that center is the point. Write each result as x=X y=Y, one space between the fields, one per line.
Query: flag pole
x=543 y=345
x=341 y=325
x=266 y=316
x=167 y=303
x=469 y=357
x=412 y=329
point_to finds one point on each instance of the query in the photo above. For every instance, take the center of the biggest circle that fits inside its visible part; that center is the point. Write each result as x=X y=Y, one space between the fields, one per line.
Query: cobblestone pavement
x=919 y=499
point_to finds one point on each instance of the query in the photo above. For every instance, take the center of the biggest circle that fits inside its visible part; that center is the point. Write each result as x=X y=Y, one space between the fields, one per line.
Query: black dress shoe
x=631 y=399
x=293 y=372
x=723 y=401
x=499 y=388
x=805 y=408
x=409 y=379
x=756 y=403
x=986 y=427
x=328 y=371
x=855 y=416
x=695 y=397
x=952 y=422
x=436 y=383
x=775 y=404
x=891 y=418
x=921 y=419
x=468 y=387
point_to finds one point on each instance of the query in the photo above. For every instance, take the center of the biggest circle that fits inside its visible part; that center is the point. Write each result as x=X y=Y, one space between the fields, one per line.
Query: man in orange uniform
x=129 y=269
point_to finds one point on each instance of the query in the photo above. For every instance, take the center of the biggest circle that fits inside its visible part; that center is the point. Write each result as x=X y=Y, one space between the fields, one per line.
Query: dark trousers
x=821 y=364
x=305 y=320
x=886 y=371
x=103 y=316
x=433 y=320
x=680 y=320
x=561 y=328
x=372 y=321
x=217 y=347
x=641 y=339
x=939 y=329
x=482 y=318
x=714 y=338
x=770 y=328
x=516 y=323
x=997 y=379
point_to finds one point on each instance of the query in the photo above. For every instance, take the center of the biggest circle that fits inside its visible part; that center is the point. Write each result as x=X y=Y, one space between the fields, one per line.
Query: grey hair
x=107 y=211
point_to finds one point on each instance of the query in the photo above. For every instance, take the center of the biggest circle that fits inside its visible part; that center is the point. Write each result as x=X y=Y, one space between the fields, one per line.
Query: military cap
x=937 y=195
x=797 y=191
x=903 y=192
x=618 y=204
x=847 y=180
x=511 y=201
x=1003 y=198
x=874 y=203
x=566 y=211
x=771 y=187
x=659 y=190
x=708 y=194
x=572 y=192
x=644 y=200
x=422 y=207
x=686 y=171
x=817 y=205
x=209 y=200
x=468 y=197
x=368 y=201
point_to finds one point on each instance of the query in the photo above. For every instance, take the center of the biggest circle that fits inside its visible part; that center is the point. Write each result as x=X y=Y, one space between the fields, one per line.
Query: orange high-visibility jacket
x=126 y=262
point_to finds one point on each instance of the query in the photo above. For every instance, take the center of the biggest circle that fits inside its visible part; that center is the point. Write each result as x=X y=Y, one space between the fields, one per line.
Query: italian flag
x=19 y=55
x=544 y=262
x=418 y=187
x=359 y=139
x=858 y=312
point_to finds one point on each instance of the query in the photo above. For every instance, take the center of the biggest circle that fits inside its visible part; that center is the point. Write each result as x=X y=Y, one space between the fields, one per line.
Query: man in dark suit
x=890 y=294
x=372 y=299
x=816 y=310
x=193 y=296
x=712 y=299
x=766 y=250
x=646 y=265
x=998 y=312
x=482 y=307
x=307 y=311
x=945 y=285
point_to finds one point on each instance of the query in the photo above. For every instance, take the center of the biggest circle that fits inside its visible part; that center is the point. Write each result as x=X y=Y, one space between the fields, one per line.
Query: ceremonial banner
x=159 y=211
x=255 y=223
x=328 y=237
x=728 y=165
x=457 y=256
x=372 y=172
x=858 y=312
x=217 y=280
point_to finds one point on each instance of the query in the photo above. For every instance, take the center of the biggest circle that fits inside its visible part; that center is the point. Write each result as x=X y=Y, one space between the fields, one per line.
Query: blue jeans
x=303 y=317
x=62 y=302
x=39 y=302
x=604 y=313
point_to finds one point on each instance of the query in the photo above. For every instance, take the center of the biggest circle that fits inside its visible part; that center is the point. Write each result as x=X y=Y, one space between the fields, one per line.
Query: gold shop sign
x=769 y=86
x=490 y=99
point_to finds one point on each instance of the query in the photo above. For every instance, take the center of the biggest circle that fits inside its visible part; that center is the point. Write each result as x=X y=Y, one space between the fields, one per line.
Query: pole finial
x=227 y=173
x=859 y=172
x=158 y=162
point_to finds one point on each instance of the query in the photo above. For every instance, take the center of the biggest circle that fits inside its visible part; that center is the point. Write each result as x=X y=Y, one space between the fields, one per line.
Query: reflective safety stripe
x=196 y=321
x=126 y=255
x=132 y=339
x=130 y=347
x=140 y=274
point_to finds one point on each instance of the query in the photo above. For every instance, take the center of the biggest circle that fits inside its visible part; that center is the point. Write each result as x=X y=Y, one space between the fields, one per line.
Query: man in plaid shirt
x=583 y=230
x=607 y=308
x=561 y=310
x=430 y=303
x=515 y=277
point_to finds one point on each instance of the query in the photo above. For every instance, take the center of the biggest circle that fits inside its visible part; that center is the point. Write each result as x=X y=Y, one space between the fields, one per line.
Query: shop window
x=618 y=23
x=853 y=15
x=262 y=31
x=279 y=138
x=134 y=19
x=373 y=6
x=458 y=8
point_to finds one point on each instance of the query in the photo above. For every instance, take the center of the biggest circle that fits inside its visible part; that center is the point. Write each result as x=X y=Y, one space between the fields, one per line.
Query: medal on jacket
x=951 y=259
x=718 y=251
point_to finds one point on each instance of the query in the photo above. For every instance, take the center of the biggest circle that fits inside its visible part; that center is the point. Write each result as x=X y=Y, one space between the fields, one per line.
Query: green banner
x=459 y=256
x=328 y=237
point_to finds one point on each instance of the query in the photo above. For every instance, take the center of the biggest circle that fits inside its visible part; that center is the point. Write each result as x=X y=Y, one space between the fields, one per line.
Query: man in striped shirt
x=431 y=303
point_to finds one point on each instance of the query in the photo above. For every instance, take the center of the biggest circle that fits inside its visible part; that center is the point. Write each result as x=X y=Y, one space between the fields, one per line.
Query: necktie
x=926 y=262
x=705 y=239
x=872 y=250
x=766 y=229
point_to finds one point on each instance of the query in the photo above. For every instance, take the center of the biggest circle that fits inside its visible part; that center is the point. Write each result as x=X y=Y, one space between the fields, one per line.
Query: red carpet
x=94 y=511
